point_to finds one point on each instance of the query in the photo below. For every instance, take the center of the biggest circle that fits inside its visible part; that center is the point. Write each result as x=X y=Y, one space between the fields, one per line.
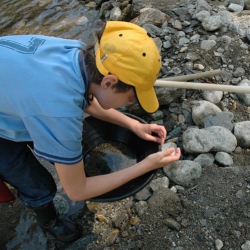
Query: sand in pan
x=108 y=157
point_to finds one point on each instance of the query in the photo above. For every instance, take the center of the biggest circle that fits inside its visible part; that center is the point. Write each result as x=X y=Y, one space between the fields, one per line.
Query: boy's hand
x=163 y=158
x=151 y=132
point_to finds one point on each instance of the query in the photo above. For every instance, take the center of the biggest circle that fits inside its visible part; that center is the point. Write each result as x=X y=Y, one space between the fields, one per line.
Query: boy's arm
x=150 y=132
x=110 y=115
x=78 y=187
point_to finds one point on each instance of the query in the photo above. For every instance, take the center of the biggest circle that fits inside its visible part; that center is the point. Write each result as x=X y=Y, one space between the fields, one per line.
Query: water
x=66 y=18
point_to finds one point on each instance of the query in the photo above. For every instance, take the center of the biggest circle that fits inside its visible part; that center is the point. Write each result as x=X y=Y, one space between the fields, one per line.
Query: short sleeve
x=56 y=139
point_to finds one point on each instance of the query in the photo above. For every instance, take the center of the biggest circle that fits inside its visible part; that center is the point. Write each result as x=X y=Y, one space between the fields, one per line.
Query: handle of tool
x=202 y=86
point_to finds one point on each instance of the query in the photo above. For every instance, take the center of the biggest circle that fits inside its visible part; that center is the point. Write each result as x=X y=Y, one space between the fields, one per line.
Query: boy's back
x=50 y=92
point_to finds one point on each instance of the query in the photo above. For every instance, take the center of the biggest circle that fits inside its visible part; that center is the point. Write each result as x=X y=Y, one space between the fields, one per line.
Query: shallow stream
x=66 y=18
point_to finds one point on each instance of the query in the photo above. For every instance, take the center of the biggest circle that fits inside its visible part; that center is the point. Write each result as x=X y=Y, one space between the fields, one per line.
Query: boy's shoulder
x=28 y=44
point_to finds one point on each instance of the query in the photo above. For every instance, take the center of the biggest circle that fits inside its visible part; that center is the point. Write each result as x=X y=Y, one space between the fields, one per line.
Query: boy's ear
x=109 y=80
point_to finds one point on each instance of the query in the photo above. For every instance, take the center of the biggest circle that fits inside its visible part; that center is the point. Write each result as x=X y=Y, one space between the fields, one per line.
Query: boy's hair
x=94 y=75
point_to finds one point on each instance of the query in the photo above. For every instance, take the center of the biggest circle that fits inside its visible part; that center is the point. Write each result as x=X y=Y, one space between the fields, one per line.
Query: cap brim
x=148 y=100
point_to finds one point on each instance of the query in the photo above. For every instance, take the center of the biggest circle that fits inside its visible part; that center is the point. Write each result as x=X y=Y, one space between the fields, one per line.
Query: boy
x=46 y=84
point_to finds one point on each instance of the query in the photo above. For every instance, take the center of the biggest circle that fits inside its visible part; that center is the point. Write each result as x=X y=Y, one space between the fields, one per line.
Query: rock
x=183 y=172
x=223 y=158
x=138 y=5
x=208 y=44
x=144 y=194
x=212 y=96
x=201 y=109
x=210 y=139
x=202 y=5
x=247 y=4
x=120 y=220
x=82 y=21
x=168 y=145
x=191 y=56
x=239 y=26
x=246 y=245
x=245 y=98
x=62 y=204
x=152 y=29
x=226 y=17
x=238 y=72
x=112 y=236
x=222 y=119
x=171 y=223
x=242 y=133
x=239 y=194
x=168 y=95
x=205 y=160
x=166 y=202
x=202 y=15
x=141 y=207
x=183 y=41
x=177 y=25
x=218 y=244
x=159 y=183
x=235 y=7
x=151 y=15
x=238 y=2
x=225 y=40
x=198 y=66
x=212 y=23
x=115 y=14
x=157 y=115
x=102 y=218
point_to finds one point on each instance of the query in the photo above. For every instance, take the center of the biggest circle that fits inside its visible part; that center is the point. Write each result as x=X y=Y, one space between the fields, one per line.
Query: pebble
x=218 y=244
x=102 y=218
x=171 y=223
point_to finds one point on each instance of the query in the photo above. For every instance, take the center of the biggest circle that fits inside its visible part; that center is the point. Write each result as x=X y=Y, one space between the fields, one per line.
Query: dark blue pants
x=20 y=168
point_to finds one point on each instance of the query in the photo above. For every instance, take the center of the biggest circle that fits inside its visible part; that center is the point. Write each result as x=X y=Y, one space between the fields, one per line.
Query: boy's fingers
x=169 y=151
x=173 y=152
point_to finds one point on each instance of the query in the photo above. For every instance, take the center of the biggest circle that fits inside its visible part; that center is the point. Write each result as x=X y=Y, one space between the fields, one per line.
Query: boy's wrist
x=134 y=125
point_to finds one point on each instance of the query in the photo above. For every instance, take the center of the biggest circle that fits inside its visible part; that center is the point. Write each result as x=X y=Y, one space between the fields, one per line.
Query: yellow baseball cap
x=127 y=51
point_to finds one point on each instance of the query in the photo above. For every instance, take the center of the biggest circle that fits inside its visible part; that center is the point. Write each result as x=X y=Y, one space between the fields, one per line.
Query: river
x=66 y=18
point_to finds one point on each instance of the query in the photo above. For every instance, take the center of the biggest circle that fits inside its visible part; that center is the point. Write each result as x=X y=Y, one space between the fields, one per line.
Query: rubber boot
x=65 y=231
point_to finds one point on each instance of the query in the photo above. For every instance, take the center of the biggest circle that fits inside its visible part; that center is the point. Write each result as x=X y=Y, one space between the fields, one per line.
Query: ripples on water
x=66 y=18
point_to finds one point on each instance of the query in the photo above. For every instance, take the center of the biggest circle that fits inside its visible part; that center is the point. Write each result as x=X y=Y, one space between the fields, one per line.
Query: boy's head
x=127 y=51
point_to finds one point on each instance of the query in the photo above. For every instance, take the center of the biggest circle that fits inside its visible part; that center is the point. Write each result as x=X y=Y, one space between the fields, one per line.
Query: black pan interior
x=97 y=133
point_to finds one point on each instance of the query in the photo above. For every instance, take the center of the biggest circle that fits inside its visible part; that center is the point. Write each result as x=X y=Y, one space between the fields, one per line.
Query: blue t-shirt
x=42 y=95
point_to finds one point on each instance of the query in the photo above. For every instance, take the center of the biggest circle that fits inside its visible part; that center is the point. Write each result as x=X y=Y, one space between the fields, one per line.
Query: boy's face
x=107 y=95
x=109 y=98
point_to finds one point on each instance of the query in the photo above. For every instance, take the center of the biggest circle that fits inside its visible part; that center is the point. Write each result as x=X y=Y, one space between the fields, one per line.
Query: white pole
x=202 y=86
